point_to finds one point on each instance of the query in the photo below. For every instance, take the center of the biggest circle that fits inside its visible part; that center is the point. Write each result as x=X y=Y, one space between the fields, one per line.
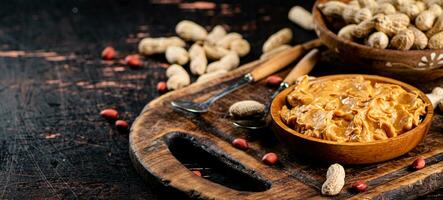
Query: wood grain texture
x=293 y=177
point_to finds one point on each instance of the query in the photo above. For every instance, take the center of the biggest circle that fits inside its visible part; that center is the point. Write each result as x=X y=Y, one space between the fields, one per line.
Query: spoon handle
x=303 y=67
x=283 y=59
x=238 y=84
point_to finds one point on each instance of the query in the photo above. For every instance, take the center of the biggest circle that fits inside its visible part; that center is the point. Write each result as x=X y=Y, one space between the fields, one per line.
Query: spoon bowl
x=251 y=124
x=190 y=106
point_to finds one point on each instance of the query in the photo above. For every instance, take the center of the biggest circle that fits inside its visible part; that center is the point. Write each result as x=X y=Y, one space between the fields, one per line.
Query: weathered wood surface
x=294 y=177
x=53 y=84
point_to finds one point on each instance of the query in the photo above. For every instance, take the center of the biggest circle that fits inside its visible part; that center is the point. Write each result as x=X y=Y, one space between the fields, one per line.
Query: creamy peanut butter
x=352 y=110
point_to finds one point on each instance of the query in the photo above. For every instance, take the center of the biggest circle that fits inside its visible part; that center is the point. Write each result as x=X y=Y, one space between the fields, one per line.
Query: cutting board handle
x=158 y=158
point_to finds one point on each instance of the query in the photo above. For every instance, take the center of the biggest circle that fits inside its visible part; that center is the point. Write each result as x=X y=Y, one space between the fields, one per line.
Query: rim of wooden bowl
x=275 y=112
x=319 y=22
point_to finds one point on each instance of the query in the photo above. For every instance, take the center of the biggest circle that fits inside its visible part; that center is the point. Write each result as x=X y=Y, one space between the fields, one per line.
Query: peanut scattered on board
x=335 y=180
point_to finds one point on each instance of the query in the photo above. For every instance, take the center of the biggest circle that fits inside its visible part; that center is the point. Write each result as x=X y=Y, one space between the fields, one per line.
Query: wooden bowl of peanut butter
x=351 y=119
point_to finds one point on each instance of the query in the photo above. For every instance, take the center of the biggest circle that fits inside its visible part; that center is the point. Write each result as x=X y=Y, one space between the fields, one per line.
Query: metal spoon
x=302 y=68
x=267 y=68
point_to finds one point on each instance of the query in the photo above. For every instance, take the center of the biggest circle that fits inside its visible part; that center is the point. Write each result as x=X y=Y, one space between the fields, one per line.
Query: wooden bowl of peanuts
x=397 y=38
x=348 y=152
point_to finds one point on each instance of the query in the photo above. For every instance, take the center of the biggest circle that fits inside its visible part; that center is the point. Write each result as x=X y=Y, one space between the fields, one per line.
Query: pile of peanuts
x=394 y=24
x=224 y=49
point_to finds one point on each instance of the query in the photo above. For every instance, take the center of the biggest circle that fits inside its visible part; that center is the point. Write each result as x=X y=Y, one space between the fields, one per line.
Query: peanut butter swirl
x=352 y=110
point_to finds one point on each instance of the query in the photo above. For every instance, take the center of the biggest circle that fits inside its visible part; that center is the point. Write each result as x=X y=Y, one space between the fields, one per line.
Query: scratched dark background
x=53 y=84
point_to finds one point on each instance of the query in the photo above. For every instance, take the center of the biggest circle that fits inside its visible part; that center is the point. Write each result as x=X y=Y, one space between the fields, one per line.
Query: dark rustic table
x=53 y=84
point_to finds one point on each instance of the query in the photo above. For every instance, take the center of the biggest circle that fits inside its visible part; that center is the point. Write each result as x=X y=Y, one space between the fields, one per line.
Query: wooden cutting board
x=159 y=126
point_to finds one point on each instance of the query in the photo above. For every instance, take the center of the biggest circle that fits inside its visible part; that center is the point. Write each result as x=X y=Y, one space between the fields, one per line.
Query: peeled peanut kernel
x=436 y=41
x=226 y=41
x=198 y=59
x=335 y=180
x=378 y=40
x=217 y=33
x=197 y=173
x=240 y=143
x=177 y=55
x=420 y=38
x=214 y=52
x=270 y=158
x=109 y=114
x=133 y=60
x=403 y=40
x=178 y=77
x=347 y=32
x=191 y=31
x=121 y=125
x=301 y=17
x=277 y=39
x=247 y=108
x=240 y=46
x=274 y=80
x=109 y=53
x=360 y=186
x=162 y=87
x=418 y=163
x=149 y=46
